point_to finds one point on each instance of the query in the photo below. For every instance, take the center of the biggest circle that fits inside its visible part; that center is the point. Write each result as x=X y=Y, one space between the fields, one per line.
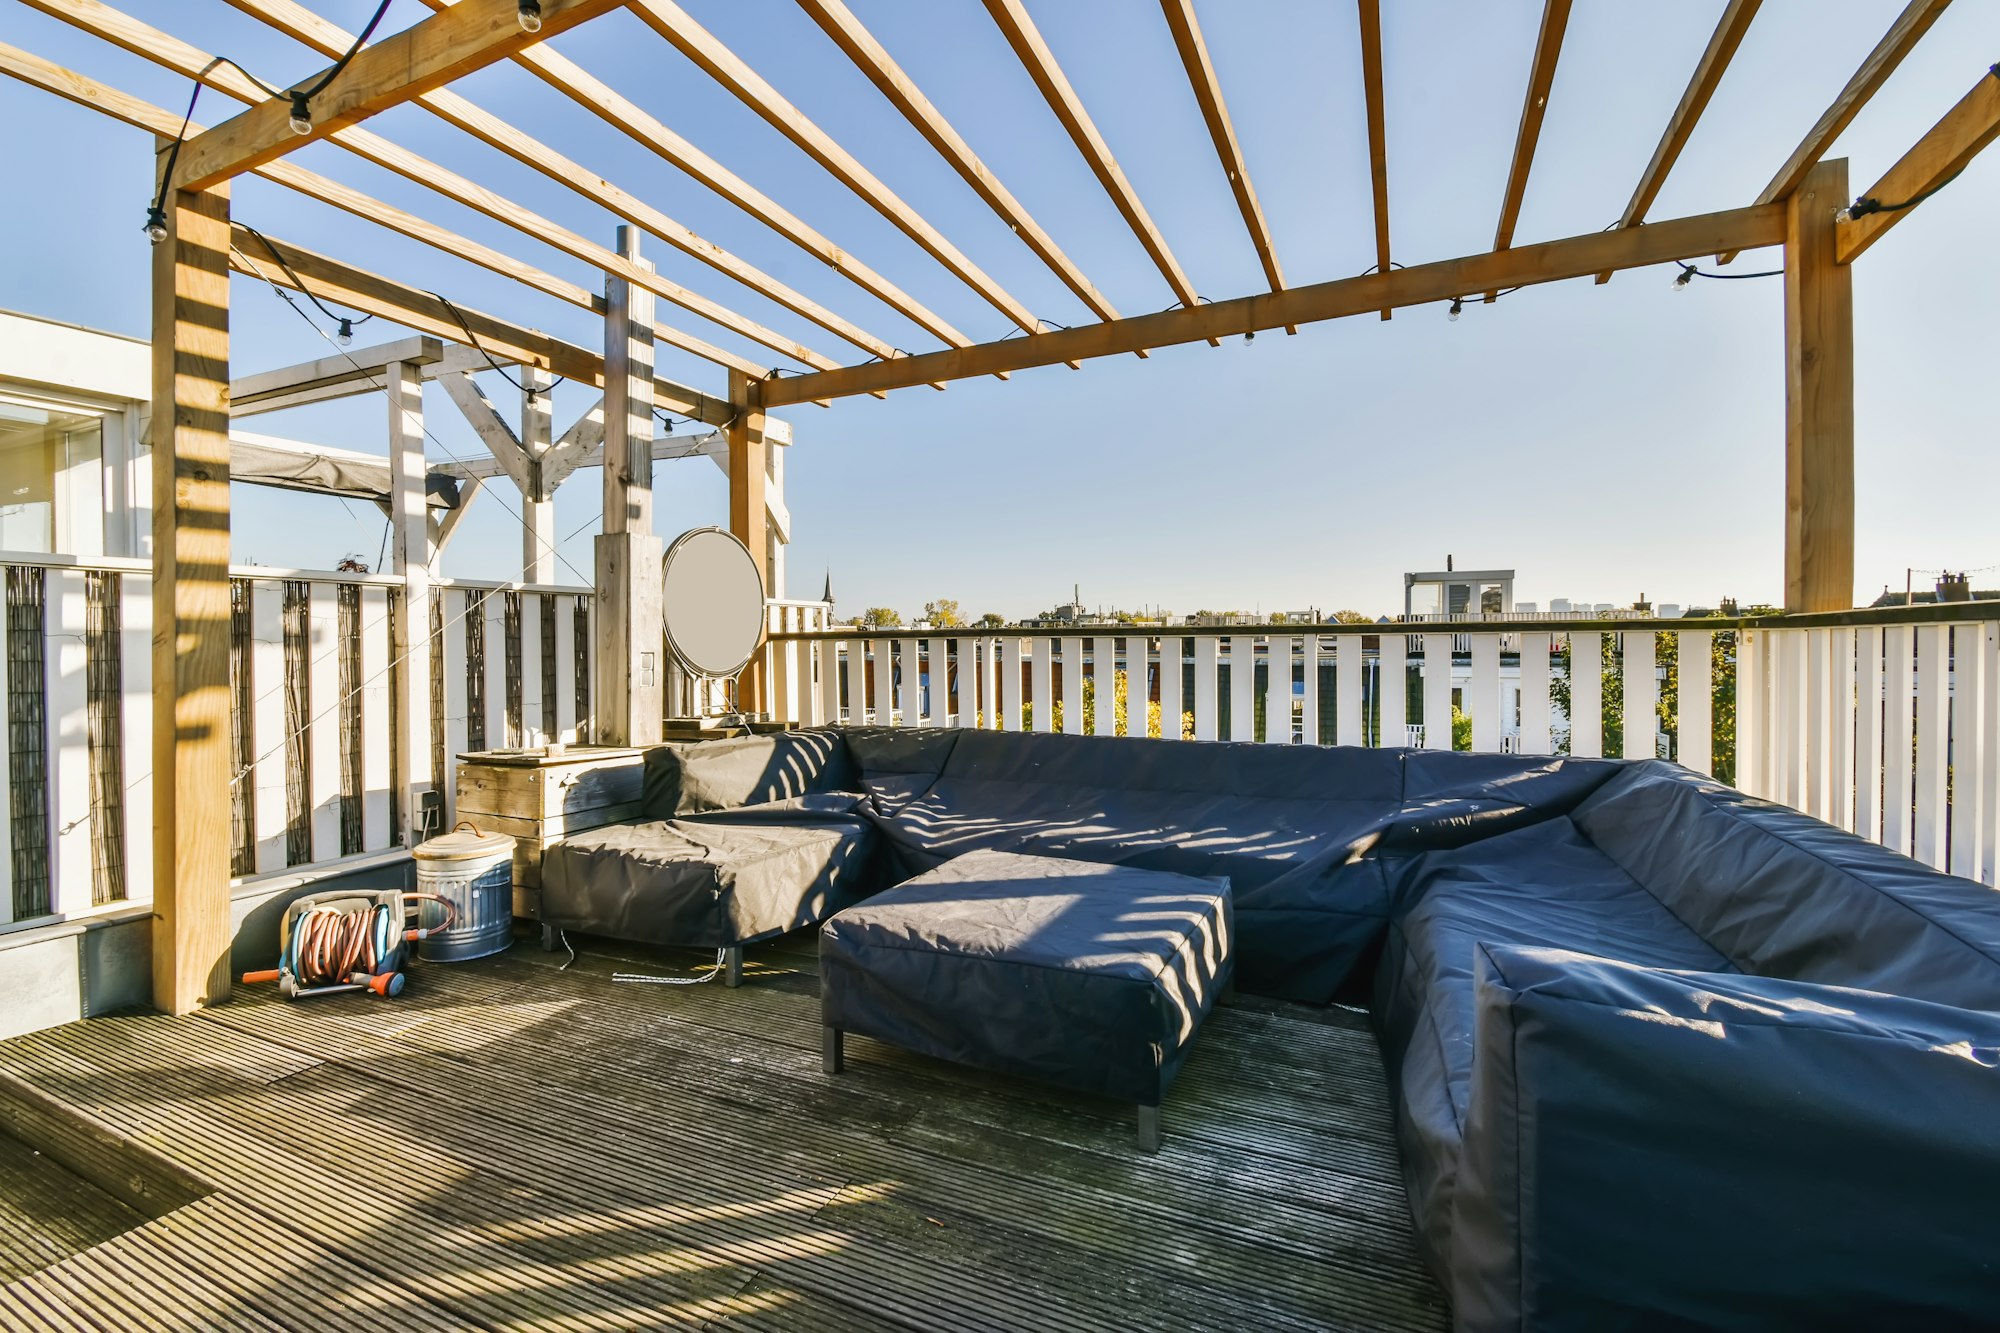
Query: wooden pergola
x=1805 y=209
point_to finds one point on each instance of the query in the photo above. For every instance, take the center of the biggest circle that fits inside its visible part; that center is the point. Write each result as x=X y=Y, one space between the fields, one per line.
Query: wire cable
x=472 y=339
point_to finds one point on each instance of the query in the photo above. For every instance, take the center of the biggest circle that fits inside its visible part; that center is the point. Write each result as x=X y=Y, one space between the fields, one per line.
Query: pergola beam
x=426 y=55
x=99 y=97
x=303 y=25
x=868 y=55
x=1200 y=69
x=621 y=113
x=1370 y=13
x=1534 y=105
x=332 y=280
x=1942 y=153
x=728 y=69
x=1549 y=261
x=364 y=366
x=1708 y=72
x=1819 y=398
x=1034 y=54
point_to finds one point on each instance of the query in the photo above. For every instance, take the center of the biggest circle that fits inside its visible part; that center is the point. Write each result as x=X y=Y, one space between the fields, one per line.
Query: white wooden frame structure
x=204 y=245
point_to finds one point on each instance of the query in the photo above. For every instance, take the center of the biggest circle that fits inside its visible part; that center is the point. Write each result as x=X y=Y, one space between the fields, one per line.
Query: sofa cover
x=1093 y=977
x=1663 y=1149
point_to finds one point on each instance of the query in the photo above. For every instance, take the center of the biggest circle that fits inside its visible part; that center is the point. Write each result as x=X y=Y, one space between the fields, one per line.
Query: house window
x=51 y=479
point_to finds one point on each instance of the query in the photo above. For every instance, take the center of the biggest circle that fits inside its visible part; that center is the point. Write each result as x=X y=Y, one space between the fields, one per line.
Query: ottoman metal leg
x=833 y=1055
x=1149 y=1129
x=732 y=967
x=548 y=939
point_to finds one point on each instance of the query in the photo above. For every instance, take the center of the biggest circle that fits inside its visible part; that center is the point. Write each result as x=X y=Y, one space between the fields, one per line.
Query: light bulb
x=1685 y=280
x=345 y=334
x=529 y=14
x=156 y=225
x=1844 y=215
x=1457 y=307
x=1250 y=337
x=302 y=121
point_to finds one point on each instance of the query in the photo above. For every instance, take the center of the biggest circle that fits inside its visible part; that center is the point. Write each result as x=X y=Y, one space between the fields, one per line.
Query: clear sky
x=1605 y=441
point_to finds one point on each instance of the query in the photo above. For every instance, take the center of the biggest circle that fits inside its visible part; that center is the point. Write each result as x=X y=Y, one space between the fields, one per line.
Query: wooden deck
x=509 y=1146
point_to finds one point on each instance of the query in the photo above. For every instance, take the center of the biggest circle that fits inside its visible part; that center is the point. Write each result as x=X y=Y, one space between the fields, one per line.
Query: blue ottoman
x=1091 y=977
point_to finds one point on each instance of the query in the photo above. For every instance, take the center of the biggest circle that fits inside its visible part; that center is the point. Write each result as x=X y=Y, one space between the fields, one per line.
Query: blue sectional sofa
x=1662 y=1055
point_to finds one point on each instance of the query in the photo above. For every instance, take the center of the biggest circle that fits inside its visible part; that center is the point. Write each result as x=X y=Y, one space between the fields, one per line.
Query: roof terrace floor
x=513 y=1146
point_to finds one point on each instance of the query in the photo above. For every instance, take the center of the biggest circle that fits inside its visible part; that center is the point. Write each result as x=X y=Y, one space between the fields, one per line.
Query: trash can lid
x=463 y=843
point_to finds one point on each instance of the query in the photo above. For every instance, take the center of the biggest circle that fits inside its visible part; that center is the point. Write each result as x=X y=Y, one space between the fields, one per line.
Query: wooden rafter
x=121 y=29
x=426 y=55
x=1370 y=12
x=1541 y=78
x=303 y=25
x=1942 y=153
x=1034 y=53
x=861 y=47
x=331 y=280
x=1550 y=261
x=1910 y=26
x=607 y=104
x=727 y=68
x=1708 y=72
x=1193 y=50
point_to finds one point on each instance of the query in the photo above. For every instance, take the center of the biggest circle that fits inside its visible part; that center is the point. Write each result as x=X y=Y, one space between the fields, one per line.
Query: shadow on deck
x=510 y=1146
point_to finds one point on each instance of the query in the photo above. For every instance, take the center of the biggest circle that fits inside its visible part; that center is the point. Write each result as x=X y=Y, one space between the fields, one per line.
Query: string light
x=1684 y=280
x=529 y=15
x=156 y=224
x=1457 y=308
x=345 y=337
x=302 y=120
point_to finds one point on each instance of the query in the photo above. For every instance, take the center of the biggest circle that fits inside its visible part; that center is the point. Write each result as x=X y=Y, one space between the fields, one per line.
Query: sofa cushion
x=1782 y=894
x=895 y=765
x=1652 y=1149
x=687 y=779
x=1090 y=976
x=1450 y=798
x=1541 y=885
x=714 y=880
x=1286 y=825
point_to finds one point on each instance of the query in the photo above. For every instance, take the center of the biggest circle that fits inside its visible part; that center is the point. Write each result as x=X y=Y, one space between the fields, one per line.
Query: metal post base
x=833 y=1053
x=548 y=939
x=732 y=967
x=1149 y=1129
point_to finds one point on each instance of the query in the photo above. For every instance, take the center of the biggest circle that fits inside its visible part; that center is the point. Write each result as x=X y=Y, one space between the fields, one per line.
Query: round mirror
x=714 y=602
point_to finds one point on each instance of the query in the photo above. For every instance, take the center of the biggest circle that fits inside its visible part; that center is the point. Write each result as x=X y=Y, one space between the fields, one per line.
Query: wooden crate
x=539 y=799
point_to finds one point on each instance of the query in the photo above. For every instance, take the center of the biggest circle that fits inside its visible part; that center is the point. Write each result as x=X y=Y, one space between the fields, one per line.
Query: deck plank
x=552 y=1149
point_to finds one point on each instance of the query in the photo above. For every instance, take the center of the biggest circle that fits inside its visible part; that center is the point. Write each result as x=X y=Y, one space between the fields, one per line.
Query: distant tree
x=878 y=617
x=1350 y=618
x=1278 y=618
x=991 y=620
x=352 y=563
x=943 y=614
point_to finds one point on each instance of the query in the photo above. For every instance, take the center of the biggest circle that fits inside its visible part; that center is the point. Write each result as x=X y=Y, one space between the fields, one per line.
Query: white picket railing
x=319 y=773
x=1804 y=733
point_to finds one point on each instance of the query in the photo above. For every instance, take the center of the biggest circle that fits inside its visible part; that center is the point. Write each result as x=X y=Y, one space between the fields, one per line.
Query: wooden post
x=191 y=697
x=538 y=501
x=1819 y=398
x=411 y=556
x=749 y=518
x=630 y=697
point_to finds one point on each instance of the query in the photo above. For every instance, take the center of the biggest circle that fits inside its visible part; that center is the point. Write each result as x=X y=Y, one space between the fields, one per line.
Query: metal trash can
x=473 y=871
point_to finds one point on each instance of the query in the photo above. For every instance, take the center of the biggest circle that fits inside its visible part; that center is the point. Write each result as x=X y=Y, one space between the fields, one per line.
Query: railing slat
x=1348 y=718
x=1988 y=803
x=1173 y=657
x=1437 y=691
x=1242 y=688
x=1278 y=690
x=1309 y=699
x=67 y=691
x=1007 y=685
x=1694 y=739
x=323 y=706
x=1642 y=695
x=375 y=739
x=1898 y=738
x=497 y=649
x=1868 y=733
x=267 y=730
x=1104 y=693
x=1207 y=666
x=1840 y=728
x=1932 y=752
x=135 y=598
x=1393 y=691
x=1535 y=703
x=455 y=706
x=562 y=727
x=534 y=730
x=1041 y=704
x=1482 y=696
x=1968 y=694
x=1586 y=694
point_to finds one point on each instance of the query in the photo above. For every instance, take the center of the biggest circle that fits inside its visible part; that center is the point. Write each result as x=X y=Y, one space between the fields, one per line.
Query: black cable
x=346 y=322
x=1691 y=271
x=156 y=216
x=472 y=340
x=341 y=64
x=1863 y=206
